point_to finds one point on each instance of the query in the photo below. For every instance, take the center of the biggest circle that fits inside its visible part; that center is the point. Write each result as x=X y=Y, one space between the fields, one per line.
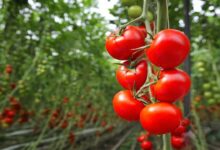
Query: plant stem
x=162 y=17
x=166 y=142
x=163 y=23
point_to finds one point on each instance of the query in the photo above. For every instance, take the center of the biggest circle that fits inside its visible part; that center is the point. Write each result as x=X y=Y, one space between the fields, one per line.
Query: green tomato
x=199 y=64
x=208 y=94
x=206 y=86
x=134 y=11
x=128 y=2
x=150 y=16
x=201 y=69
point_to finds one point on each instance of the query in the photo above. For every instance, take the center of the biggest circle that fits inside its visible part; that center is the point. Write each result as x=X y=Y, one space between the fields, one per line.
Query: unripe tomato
x=146 y=145
x=128 y=2
x=172 y=85
x=169 y=48
x=132 y=78
x=122 y=46
x=134 y=11
x=126 y=106
x=160 y=118
x=150 y=16
x=177 y=142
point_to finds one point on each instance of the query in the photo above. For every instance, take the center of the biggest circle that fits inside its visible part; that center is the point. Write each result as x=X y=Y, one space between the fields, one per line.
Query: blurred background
x=57 y=81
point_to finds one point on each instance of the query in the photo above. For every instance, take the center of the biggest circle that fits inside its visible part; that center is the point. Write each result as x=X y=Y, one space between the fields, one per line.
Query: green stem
x=131 y=22
x=166 y=142
x=162 y=17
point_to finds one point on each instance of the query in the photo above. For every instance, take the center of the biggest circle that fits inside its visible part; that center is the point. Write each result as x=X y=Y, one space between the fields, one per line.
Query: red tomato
x=126 y=106
x=146 y=145
x=169 y=48
x=11 y=114
x=171 y=86
x=132 y=78
x=141 y=138
x=142 y=28
x=185 y=122
x=177 y=142
x=160 y=118
x=121 y=47
x=8 y=120
x=8 y=69
x=179 y=131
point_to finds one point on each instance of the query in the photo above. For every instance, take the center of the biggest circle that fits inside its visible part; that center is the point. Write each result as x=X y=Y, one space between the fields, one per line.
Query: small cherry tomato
x=146 y=145
x=179 y=131
x=185 y=122
x=177 y=142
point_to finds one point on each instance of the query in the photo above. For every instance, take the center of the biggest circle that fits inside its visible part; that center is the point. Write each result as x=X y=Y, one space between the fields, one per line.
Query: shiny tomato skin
x=160 y=118
x=142 y=28
x=177 y=142
x=126 y=106
x=146 y=145
x=169 y=48
x=121 y=47
x=132 y=78
x=141 y=138
x=172 y=85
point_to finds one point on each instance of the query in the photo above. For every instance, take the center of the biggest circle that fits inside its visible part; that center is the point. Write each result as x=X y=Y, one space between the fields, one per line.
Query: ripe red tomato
x=172 y=85
x=132 y=78
x=179 y=131
x=121 y=47
x=142 y=28
x=169 y=48
x=8 y=69
x=8 y=120
x=160 y=118
x=126 y=106
x=146 y=145
x=185 y=122
x=177 y=142
x=141 y=138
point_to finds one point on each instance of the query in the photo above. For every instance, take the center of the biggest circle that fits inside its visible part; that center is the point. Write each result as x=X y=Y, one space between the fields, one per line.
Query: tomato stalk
x=163 y=23
x=162 y=15
x=142 y=17
x=166 y=142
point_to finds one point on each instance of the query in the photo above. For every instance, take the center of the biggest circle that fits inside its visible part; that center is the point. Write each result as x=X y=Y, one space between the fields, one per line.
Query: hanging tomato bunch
x=149 y=75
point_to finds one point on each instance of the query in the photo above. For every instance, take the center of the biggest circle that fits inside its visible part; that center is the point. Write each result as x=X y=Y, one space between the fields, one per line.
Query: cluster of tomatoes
x=14 y=113
x=145 y=144
x=152 y=83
